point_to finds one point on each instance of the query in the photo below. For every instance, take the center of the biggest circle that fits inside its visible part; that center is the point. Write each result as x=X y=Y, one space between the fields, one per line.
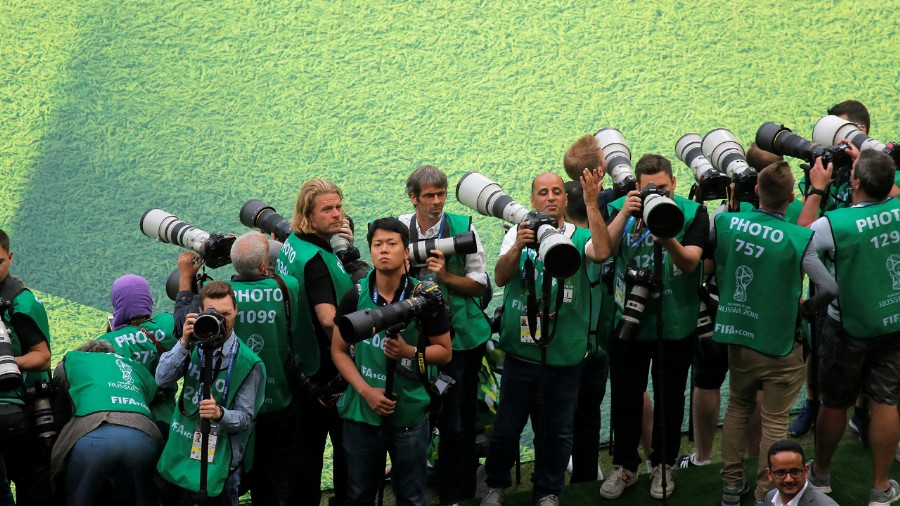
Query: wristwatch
x=415 y=350
x=815 y=191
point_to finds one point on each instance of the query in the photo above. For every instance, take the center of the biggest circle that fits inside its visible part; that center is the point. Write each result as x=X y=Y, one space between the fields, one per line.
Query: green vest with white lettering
x=681 y=303
x=175 y=464
x=129 y=341
x=867 y=267
x=262 y=325
x=292 y=261
x=569 y=327
x=108 y=382
x=25 y=303
x=758 y=302
x=602 y=312
x=410 y=394
x=470 y=324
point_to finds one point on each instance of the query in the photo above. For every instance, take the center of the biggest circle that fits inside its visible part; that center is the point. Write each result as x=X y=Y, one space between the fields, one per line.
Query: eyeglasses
x=432 y=196
x=795 y=473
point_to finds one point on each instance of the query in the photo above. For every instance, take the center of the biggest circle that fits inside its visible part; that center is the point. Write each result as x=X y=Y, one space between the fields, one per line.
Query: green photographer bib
x=603 y=310
x=410 y=394
x=569 y=325
x=681 y=303
x=292 y=260
x=108 y=382
x=760 y=277
x=470 y=325
x=262 y=325
x=25 y=303
x=130 y=341
x=175 y=464
x=867 y=267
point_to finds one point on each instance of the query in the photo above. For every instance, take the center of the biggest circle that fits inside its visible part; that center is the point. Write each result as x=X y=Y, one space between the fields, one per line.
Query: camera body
x=426 y=300
x=210 y=330
x=534 y=220
x=649 y=190
x=780 y=140
x=660 y=213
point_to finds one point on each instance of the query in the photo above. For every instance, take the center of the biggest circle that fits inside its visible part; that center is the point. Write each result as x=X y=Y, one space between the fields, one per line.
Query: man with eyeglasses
x=463 y=280
x=788 y=473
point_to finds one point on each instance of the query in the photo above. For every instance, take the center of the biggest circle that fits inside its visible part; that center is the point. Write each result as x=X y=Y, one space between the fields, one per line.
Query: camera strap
x=152 y=339
x=284 y=297
x=9 y=290
x=534 y=304
x=217 y=367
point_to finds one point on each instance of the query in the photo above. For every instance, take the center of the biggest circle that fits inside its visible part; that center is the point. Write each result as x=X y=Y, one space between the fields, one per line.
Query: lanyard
x=771 y=213
x=631 y=250
x=234 y=346
x=402 y=292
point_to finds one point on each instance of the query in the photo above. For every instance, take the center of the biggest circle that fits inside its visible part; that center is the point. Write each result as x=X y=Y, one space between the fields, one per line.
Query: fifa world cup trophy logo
x=743 y=275
x=893 y=267
x=126 y=371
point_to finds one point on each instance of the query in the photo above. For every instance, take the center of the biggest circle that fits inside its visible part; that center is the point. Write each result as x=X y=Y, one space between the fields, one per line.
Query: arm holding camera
x=598 y=249
x=462 y=285
x=819 y=181
x=616 y=229
x=340 y=355
x=508 y=263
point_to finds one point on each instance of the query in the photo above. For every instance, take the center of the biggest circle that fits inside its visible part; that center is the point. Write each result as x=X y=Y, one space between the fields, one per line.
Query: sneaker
x=618 y=481
x=656 y=485
x=599 y=471
x=731 y=496
x=820 y=482
x=686 y=461
x=493 y=497
x=882 y=497
x=548 y=500
x=805 y=420
x=860 y=423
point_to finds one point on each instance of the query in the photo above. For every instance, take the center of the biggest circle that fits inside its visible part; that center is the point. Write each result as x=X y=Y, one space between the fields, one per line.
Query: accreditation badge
x=620 y=292
x=198 y=442
x=525 y=332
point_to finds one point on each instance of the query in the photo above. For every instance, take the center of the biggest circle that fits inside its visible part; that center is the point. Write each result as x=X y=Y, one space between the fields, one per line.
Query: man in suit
x=788 y=473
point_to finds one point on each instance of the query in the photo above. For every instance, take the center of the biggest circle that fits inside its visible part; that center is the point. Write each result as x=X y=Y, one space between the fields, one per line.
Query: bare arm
x=616 y=228
x=598 y=249
x=508 y=263
x=326 y=313
x=340 y=355
x=462 y=285
x=686 y=258
x=37 y=358
x=820 y=179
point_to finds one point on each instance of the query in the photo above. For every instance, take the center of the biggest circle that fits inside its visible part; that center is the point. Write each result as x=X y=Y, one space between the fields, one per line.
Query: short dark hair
x=4 y=240
x=759 y=159
x=785 y=445
x=651 y=164
x=575 y=208
x=875 y=171
x=425 y=174
x=391 y=225
x=585 y=153
x=776 y=185
x=854 y=110
x=96 y=346
x=217 y=290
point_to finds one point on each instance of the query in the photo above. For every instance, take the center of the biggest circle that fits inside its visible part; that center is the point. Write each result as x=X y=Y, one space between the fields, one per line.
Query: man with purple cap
x=137 y=335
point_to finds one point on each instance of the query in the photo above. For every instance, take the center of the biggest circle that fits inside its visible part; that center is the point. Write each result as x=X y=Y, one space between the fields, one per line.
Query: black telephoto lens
x=258 y=214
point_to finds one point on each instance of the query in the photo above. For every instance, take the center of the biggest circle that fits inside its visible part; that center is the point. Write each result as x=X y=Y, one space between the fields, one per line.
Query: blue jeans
x=518 y=390
x=365 y=449
x=116 y=458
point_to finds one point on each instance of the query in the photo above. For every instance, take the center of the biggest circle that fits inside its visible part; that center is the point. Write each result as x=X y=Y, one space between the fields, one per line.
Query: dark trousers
x=457 y=460
x=271 y=476
x=314 y=423
x=586 y=443
x=629 y=364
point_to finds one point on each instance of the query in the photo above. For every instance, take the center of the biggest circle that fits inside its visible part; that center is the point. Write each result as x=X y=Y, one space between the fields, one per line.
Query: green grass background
x=110 y=108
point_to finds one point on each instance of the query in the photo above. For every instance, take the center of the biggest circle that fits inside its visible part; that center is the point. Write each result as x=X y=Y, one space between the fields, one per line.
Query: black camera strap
x=285 y=298
x=10 y=289
x=534 y=304
x=184 y=373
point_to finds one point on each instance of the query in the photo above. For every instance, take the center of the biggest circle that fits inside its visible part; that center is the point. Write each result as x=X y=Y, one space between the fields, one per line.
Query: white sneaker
x=656 y=485
x=618 y=481
x=493 y=497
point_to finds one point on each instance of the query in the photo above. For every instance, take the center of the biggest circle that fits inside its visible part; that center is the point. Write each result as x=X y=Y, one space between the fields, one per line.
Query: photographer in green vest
x=462 y=279
x=373 y=420
x=135 y=334
x=759 y=324
x=521 y=271
x=237 y=394
x=861 y=336
x=25 y=318
x=107 y=450
x=633 y=356
x=308 y=257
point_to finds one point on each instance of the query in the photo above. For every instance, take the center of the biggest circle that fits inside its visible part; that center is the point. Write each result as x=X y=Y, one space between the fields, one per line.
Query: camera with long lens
x=710 y=184
x=343 y=248
x=830 y=129
x=780 y=140
x=618 y=160
x=559 y=255
x=462 y=244
x=660 y=213
x=215 y=248
x=641 y=281
x=258 y=214
x=10 y=375
x=40 y=395
x=210 y=330
x=426 y=300
x=726 y=154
